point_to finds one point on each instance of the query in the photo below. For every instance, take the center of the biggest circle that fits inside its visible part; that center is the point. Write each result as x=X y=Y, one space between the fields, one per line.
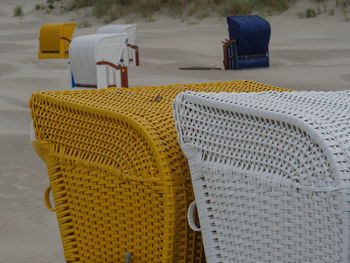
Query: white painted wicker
x=270 y=172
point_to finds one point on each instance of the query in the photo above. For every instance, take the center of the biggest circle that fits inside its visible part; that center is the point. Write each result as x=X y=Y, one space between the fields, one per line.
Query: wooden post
x=124 y=77
x=123 y=72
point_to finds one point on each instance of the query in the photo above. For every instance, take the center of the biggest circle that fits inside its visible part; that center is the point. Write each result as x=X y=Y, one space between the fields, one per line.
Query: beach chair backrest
x=86 y=51
x=54 y=40
x=130 y=29
x=251 y=32
x=119 y=180
x=270 y=173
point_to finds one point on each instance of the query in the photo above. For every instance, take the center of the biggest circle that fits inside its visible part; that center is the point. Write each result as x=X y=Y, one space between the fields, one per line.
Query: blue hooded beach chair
x=248 y=46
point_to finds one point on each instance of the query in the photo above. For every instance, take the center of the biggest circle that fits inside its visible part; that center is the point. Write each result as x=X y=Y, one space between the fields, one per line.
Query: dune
x=305 y=54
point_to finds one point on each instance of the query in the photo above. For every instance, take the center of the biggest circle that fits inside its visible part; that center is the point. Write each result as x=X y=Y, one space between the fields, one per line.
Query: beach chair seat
x=248 y=43
x=119 y=180
x=271 y=174
x=54 y=40
x=131 y=57
x=94 y=61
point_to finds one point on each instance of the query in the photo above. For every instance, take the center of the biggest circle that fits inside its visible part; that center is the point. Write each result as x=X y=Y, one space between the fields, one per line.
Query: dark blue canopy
x=251 y=32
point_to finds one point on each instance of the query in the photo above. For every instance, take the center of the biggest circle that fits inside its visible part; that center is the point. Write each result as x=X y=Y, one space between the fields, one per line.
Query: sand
x=306 y=54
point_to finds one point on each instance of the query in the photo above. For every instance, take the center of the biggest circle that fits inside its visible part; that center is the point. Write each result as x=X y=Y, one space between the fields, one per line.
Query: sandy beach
x=305 y=54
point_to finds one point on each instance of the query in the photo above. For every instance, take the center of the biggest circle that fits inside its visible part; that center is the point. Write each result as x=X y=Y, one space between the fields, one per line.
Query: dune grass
x=111 y=10
x=178 y=8
x=330 y=8
x=18 y=11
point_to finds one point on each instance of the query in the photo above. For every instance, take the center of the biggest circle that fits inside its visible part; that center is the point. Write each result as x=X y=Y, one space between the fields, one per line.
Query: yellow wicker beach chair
x=119 y=179
x=55 y=39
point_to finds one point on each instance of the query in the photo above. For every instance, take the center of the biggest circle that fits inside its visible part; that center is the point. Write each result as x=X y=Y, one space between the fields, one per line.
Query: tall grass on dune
x=327 y=7
x=17 y=11
x=147 y=8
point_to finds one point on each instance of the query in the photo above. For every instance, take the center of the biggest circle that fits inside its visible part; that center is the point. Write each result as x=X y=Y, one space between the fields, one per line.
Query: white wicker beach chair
x=95 y=61
x=271 y=174
x=131 y=57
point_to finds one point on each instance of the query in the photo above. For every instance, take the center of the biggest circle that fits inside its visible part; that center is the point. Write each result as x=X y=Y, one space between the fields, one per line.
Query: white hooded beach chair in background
x=130 y=58
x=271 y=174
x=95 y=61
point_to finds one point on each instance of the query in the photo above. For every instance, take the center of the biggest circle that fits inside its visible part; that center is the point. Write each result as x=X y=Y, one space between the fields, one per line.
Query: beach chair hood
x=54 y=40
x=86 y=51
x=252 y=34
x=128 y=28
x=270 y=172
x=118 y=176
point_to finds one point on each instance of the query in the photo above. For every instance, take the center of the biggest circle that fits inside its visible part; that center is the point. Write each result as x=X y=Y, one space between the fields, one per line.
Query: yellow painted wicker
x=54 y=40
x=119 y=180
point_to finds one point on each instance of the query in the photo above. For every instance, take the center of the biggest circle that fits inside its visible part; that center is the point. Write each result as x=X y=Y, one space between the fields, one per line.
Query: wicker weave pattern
x=271 y=174
x=118 y=176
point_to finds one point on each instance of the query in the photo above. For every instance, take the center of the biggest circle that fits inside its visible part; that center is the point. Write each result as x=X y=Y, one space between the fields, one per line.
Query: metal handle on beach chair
x=190 y=214
x=47 y=199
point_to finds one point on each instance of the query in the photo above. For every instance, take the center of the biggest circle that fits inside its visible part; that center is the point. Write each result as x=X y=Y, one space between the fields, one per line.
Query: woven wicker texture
x=119 y=180
x=271 y=174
